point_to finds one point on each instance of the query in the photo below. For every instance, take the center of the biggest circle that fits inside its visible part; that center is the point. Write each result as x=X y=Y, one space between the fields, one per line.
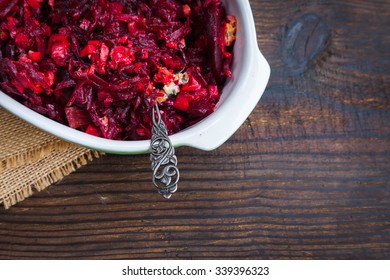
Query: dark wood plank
x=306 y=176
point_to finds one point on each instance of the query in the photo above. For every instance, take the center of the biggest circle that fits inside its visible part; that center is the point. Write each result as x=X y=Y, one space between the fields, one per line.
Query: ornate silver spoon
x=164 y=162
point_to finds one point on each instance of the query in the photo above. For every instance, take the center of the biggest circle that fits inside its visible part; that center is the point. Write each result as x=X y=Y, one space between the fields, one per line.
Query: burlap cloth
x=31 y=160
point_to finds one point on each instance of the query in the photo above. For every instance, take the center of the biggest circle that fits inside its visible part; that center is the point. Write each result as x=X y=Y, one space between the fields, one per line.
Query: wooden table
x=306 y=176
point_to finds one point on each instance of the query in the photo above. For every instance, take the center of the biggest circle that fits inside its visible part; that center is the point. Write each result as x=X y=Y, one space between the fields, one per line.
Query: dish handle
x=232 y=112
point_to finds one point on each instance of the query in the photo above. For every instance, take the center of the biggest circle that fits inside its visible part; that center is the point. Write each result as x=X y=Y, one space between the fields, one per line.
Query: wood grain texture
x=306 y=177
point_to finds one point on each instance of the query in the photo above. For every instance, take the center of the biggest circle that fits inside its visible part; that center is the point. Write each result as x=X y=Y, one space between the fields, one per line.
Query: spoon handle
x=164 y=162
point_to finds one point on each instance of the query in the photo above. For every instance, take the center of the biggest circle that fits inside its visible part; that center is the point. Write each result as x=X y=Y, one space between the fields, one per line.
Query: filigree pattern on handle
x=164 y=162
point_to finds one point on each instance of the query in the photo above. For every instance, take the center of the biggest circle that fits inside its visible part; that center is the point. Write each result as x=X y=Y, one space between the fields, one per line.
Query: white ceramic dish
x=240 y=95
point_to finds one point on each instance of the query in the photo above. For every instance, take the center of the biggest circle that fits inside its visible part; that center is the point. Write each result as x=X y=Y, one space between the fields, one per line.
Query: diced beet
x=192 y=85
x=21 y=41
x=182 y=101
x=34 y=3
x=77 y=117
x=120 y=56
x=89 y=49
x=100 y=66
x=93 y=130
x=34 y=56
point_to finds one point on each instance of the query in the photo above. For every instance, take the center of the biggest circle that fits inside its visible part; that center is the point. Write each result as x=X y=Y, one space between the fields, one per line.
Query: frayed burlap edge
x=32 y=155
x=22 y=144
x=27 y=189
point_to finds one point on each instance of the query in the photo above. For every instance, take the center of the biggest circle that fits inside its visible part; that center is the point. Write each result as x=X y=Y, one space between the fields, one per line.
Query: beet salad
x=100 y=66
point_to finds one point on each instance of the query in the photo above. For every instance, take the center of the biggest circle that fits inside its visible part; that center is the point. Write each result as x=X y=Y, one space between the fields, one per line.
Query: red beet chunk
x=77 y=118
x=101 y=66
